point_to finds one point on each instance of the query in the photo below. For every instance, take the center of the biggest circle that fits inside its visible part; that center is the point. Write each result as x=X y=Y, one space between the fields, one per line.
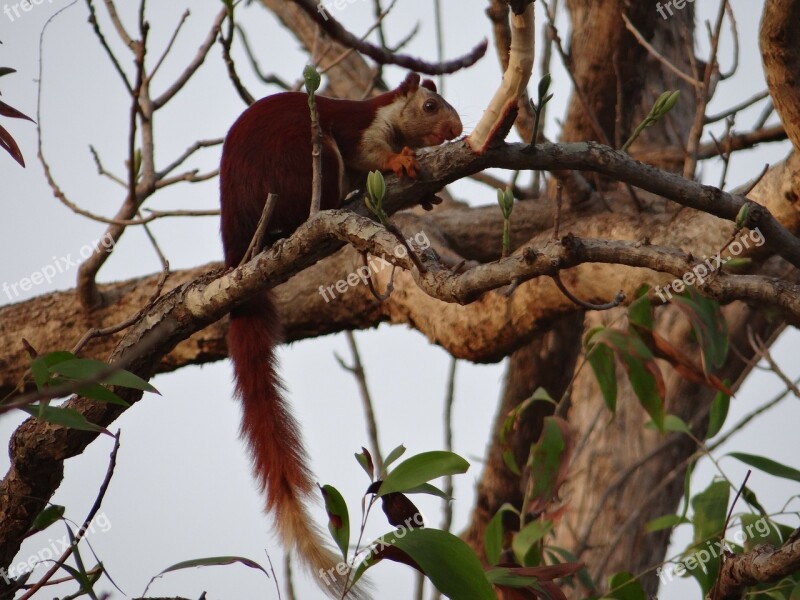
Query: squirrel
x=268 y=150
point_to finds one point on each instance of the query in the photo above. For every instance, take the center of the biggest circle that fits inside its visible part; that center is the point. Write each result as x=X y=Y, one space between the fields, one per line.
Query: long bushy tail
x=279 y=460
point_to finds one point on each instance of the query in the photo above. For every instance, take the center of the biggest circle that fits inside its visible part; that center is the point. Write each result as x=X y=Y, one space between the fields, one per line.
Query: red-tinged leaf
x=397 y=555
x=552 y=590
x=8 y=144
x=10 y=111
x=518 y=583
x=509 y=593
x=684 y=366
x=547 y=572
x=364 y=459
x=401 y=512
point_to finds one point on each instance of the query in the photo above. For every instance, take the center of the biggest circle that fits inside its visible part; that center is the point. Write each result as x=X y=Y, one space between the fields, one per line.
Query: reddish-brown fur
x=268 y=149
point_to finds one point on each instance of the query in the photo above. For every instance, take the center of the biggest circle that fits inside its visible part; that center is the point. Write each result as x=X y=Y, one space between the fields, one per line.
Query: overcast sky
x=183 y=487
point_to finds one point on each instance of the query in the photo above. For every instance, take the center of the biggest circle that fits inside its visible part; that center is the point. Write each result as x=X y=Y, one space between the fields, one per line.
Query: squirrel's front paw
x=404 y=163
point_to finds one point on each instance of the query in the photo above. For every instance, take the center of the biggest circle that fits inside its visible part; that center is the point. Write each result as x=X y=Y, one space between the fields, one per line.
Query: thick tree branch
x=764 y=564
x=780 y=51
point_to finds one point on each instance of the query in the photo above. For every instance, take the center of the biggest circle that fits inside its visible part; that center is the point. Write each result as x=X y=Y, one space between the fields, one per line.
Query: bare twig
x=269 y=79
x=619 y=299
x=95 y=332
x=257 y=243
x=357 y=369
x=226 y=41
x=738 y=107
x=703 y=94
x=186 y=154
x=195 y=63
x=112 y=463
x=335 y=30
x=172 y=39
x=656 y=54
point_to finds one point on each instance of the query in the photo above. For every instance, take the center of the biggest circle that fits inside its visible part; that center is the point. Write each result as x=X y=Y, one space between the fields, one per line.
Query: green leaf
x=750 y=497
x=687 y=488
x=422 y=468
x=795 y=594
x=708 y=324
x=95 y=391
x=445 y=559
x=601 y=359
x=494 y=533
x=511 y=462
x=671 y=423
x=338 y=518
x=376 y=186
x=643 y=372
x=432 y=490
x=83 y=369
x=719 y=412
x=623 y=586
x=41 y=366
x=664 y=522
x=756 y=530
x=214 y=561
x=312 y=79
x=526 y=543
x=710 y=511
x=768 y=465
x=66 y=417
x=640 y=311
x=546 y=459
x=393 y=456
x=47 y=517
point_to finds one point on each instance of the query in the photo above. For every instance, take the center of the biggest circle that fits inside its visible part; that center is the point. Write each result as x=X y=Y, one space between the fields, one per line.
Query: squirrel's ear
x=410 y=83
x=428 y=83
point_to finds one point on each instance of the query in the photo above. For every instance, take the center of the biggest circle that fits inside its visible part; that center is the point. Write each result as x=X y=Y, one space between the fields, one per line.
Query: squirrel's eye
x=429 y=106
